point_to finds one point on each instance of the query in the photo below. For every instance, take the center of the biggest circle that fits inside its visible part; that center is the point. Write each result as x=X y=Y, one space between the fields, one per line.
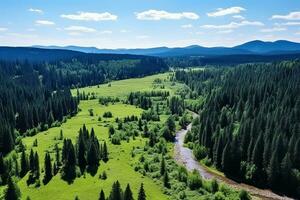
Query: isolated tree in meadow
x=12 y=192
x=24 y=164
x=104 y=152
x=48 y=169
x=111 y=131
x=102 y=195
x=128 y=193
x=57 y=155
x=142 y=194
x=31 y=160
x=116 y=192
x=36 y=165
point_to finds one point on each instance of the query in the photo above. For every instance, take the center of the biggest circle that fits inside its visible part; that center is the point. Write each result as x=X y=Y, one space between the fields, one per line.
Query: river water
x=184 y=156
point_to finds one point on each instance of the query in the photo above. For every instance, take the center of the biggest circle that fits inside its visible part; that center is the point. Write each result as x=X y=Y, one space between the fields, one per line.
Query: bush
x=244 y=195
x=219 y=196
x=194 y=180
x=116 y=139
x=200 y=152
x=107 y=114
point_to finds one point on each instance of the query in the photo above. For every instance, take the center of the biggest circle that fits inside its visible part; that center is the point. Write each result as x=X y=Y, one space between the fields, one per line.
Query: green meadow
x=119 y=167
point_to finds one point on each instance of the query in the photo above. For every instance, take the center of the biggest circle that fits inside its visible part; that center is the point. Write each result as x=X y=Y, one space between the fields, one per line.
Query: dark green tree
x=24 y=164
x=48 y=169
x=116 y=192
x=12 y=192
x=128 y=193
x=102 y=195
x=142 y=194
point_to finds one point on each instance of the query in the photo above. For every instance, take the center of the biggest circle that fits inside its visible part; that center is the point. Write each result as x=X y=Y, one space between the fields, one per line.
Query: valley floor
x=120 y=166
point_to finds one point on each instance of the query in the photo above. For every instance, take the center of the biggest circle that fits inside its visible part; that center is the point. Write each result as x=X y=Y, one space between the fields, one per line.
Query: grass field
x=123 y=87
x=119 y=167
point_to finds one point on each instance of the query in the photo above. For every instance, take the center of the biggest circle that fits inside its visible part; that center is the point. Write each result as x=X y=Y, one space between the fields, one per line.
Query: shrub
x=116 y=139
x=107 y=114
x=244 y=195
x=194 y=180
x=200 y=152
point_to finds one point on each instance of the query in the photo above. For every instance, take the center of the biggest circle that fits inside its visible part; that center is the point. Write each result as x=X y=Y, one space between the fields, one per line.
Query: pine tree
x=36 y=166
x=92 y=158
x=142 y=195
x=24 y=164
x=48 y=169
x=116 y=192
x=81 y=153
x=274 y=171
x=162 y=166
x=166 y=180
x=69 y=168
x=128 y=193
x=102 y=195
x=57 y=156
x=12 y=192
x=105 y=152
x=3 y=170
x=31 y=160
x=171 y=124
x=297 y=155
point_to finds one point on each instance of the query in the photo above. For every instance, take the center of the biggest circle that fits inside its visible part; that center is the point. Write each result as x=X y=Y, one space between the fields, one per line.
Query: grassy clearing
x=123 y=87
x=119 y=167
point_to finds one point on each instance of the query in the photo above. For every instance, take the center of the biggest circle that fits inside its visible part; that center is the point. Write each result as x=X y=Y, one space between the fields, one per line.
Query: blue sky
x=147 y=23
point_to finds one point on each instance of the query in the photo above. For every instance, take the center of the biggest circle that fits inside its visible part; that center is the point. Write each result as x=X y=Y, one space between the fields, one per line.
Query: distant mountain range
x=255 y=47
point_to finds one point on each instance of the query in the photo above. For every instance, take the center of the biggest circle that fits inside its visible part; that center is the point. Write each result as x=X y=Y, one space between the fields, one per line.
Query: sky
x=147 y=23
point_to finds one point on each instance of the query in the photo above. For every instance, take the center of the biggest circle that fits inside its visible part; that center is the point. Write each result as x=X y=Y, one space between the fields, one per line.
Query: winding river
x=184 y=156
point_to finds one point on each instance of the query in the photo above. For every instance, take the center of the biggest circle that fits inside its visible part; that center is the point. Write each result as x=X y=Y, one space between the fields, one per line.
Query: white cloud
x=105 y=32
x=142 y=36
x=161 y=14
x=233 y=25
x=2 y=29
x=74 y=34
x=226 y=11
x=238 y=17
x=226 y=31
x=290 y=16
x=44 y=23
x=187 y=26
x=35 y=10
x=91 y=16
x=288 y=24
x=275 y=29
x=298 y=33
x=81 y=29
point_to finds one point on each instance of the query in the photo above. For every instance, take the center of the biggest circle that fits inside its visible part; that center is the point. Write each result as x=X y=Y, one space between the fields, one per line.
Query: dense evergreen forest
x=249 y=122
x=36 y=95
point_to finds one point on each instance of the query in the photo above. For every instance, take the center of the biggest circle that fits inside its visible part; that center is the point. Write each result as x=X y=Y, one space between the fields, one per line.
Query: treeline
x=34 y=95
x=27 y=107
x=249 y=123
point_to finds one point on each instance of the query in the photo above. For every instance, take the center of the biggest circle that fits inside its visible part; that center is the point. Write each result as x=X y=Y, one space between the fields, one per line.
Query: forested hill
x=249 y=123
x=51 y=55
x=35 y=85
